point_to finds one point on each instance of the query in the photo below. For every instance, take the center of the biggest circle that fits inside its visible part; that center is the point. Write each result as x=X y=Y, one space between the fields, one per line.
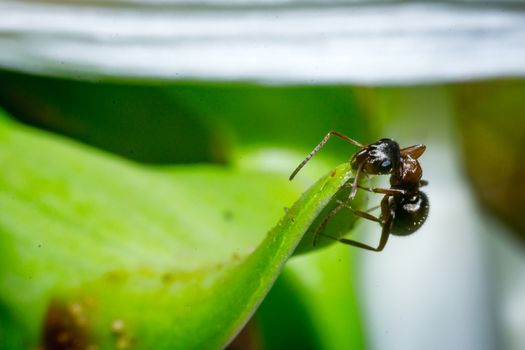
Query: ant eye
x=386 y=165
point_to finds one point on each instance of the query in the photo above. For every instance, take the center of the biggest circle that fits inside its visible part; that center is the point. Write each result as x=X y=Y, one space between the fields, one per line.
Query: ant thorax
x=408 y=174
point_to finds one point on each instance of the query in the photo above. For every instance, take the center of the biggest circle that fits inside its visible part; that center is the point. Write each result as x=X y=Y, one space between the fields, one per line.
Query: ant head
x=378 y=158
x=411 y=212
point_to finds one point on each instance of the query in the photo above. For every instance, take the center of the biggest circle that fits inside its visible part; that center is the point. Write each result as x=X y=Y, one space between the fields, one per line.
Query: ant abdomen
x=410 y=213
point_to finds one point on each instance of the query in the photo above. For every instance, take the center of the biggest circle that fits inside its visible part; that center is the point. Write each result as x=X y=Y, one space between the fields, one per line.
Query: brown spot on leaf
x=227 y=215
x=123 y=340
x=118 y=327
x=117 y=276
x=65 y=327
x=236 y=256
x=168 y=278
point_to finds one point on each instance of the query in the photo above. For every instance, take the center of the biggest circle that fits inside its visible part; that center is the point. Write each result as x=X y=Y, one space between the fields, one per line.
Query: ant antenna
x=320 y=145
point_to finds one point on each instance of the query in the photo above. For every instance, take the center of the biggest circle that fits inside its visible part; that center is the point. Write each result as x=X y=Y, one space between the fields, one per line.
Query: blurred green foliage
x=491 y=123
x=184 y=122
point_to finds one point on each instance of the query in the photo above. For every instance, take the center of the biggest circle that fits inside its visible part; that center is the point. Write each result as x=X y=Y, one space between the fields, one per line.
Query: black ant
x=404 y=208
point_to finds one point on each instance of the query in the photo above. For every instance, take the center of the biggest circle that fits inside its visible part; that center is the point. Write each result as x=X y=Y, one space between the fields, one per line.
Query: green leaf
x=313 y=304
x=98 y=250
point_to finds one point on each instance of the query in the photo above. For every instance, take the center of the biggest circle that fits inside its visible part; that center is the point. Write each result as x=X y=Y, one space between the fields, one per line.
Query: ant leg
x=388 y=220
x=423 y=183
x=336 y=210
x=323 y=223
x=320 y=145
x=373 y=208
x=358 y=244
x=319 y=230
x=368 y=184
x=385 y=232
x=355 y=184
x=361 y=214
x=387 y=191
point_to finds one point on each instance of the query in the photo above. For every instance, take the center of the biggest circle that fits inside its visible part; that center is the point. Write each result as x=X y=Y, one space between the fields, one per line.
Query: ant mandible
x=404 y=208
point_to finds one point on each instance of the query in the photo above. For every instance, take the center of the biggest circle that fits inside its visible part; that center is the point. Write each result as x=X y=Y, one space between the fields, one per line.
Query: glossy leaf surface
x=141 y=256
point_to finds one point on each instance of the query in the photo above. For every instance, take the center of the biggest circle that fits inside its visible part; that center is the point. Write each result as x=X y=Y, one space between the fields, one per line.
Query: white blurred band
x=270 y=41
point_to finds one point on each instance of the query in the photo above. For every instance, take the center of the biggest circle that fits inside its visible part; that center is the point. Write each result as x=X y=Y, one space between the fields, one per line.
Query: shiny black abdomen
x=410 y=213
